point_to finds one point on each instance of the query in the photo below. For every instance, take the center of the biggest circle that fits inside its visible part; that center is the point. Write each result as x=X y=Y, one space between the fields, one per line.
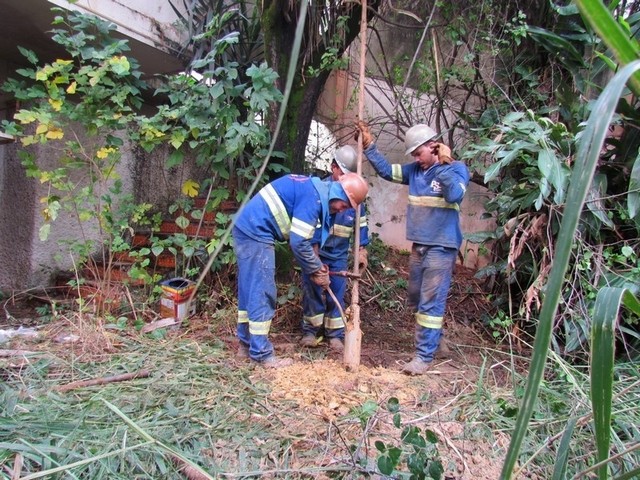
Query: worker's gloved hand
x=321 y=277
x=443 y=152
x=362 y=128
x=363 y=259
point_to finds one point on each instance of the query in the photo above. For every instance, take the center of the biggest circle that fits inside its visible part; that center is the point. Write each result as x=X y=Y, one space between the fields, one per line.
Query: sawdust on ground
x=327 y=397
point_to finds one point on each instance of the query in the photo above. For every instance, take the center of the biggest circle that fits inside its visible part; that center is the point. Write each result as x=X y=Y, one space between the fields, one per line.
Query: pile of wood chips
x=328 y=389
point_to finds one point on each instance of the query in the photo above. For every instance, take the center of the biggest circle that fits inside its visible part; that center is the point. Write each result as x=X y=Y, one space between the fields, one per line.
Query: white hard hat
x=346 y=158
x=416 y=136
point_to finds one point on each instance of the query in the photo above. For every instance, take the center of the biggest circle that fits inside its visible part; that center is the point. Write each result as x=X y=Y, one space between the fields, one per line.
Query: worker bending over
x=320 y=312
x=288 y=208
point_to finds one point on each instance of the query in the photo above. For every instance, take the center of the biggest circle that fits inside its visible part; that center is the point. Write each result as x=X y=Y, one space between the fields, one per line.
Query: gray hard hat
x=418 y=135
x=346 y=158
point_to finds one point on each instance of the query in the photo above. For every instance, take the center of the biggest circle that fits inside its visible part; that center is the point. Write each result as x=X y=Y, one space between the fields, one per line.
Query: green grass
x=201 y=408
x=192 y=402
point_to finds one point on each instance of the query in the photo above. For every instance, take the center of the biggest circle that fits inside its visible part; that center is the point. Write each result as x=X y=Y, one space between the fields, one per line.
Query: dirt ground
x=325 y=391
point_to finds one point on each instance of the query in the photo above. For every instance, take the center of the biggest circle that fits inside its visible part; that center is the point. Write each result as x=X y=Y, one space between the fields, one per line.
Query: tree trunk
x=322 y=31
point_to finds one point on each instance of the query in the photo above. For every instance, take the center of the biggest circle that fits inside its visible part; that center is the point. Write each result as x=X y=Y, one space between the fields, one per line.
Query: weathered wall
x=154 y=37
x=17 y=209
x=28 y=261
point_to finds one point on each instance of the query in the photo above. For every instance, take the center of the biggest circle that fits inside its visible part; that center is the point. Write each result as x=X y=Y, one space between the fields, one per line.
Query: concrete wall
x=17 y=210
x=151 y=22
x=29 y=261
x=154 y=35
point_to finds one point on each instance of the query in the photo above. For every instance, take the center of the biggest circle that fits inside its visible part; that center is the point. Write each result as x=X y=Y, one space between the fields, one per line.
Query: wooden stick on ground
x=19 y=353
x=104 y=380
x=187 y=470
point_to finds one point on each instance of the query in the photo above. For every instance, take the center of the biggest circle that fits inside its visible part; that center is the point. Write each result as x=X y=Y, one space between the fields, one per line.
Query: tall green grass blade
x=605 y=316
x=562 y=457
x=633 y=197
x=625 y=49
x=581 y=178
x=602 y=357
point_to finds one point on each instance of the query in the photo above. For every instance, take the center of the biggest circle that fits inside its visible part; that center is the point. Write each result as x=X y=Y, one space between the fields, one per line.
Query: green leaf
x=625 y=49
x=182 y=222
x=551 y=167
x=28 y=54
x=492 y=172
x=397 y=420
x=595 y=203
x=175 y=158
x=601 y=365
x=431 y=436
x=385 y=465
x=120 y=65
x=393 y=405
x=436 y=470
x=558 y=46
x=25 y=116
x=562 y=456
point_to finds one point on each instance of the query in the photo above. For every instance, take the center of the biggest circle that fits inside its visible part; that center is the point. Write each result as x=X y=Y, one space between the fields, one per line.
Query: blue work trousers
x=318 y=308
x=256 y=293
x=430 y=274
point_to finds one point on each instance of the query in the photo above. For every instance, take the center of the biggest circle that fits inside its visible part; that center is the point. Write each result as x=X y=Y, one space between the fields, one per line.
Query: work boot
x=417 y=366
x=275 y=362
x=336 y=345
x=310 y=341
x=242 y=353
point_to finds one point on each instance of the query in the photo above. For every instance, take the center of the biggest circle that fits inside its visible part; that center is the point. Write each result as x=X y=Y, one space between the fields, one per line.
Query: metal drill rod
x=344 y=273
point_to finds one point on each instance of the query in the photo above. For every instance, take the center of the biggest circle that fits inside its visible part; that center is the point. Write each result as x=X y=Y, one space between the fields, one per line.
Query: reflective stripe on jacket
x=288 y=208
x=339 y=242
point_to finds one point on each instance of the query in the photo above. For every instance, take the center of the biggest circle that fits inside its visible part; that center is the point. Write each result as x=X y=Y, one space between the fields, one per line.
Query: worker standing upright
x=437 y=185
x=321 y=315
x=288 y=208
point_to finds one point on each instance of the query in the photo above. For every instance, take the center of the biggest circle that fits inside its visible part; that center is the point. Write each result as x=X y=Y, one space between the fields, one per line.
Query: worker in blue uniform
x=288 y=208
x=437 y=185
x=321 y=315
